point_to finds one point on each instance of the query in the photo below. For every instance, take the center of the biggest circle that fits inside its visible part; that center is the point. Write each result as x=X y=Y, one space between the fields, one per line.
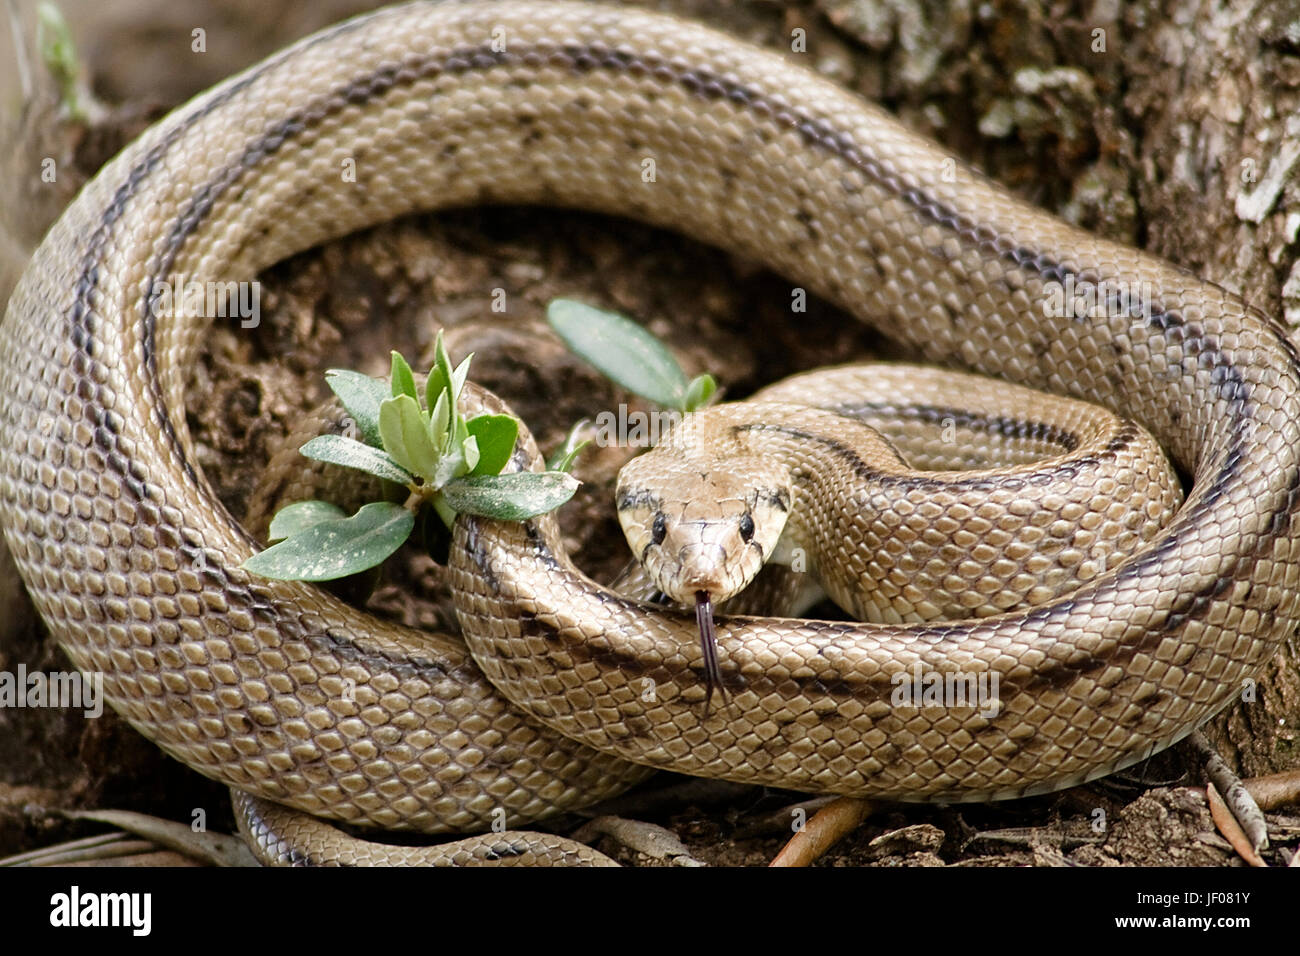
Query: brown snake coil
x=287 y=694
x=1075 y=490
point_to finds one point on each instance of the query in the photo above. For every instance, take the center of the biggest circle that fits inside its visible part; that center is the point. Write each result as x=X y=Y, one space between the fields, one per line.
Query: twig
x=1235 y=795
x=832 y=822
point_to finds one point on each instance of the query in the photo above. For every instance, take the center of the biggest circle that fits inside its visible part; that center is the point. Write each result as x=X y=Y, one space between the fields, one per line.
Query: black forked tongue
x=709 y=645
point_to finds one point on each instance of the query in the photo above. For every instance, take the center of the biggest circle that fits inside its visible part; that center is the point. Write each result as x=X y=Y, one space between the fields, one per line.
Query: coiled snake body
x=289 y=695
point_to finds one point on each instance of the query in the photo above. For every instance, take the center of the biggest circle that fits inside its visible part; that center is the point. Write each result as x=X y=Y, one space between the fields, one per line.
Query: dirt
x=348 y=303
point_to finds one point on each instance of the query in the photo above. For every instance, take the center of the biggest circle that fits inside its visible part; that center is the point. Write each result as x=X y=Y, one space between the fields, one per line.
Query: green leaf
x=349 y=453
x=496 y=435
x=621 y=350
x=512 y=497
x=298 y=517
x=562 y=458
x=565 y=461
x=469 y=448
x=438 y=432
x=403 y=380
x=405 y=434
x=361 y=395
x=459 y=375
x=439 y=379
x=336 y=548
x=699 y=392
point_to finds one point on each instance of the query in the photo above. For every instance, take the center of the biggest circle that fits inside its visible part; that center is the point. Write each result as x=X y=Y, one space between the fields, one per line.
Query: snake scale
x=290 y=696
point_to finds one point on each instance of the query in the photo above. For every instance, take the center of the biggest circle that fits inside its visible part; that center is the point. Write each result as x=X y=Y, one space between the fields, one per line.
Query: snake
x=299 y=701
x=786 y=479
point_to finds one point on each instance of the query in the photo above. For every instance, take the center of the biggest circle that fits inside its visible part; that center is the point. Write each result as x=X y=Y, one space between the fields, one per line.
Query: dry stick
x=216 y=849
x=1235 y=795
x=1230 y=827
x=832 y=822
x=1031 y=836
x=1275 y=790
x=42 y=855
x=92 y=856
x=778 y=821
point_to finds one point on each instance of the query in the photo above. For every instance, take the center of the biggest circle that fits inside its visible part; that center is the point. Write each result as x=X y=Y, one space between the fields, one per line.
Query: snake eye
x=747 y=528
x=659 y=529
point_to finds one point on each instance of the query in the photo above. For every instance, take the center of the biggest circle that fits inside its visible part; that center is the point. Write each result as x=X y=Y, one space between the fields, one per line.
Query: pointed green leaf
x=336 y=548
x=338 y=450
x=406 y=435
x=298 y=517
x=434 y=385
x=512 y=497
x=459 y=375
x=441 y=376
x=563 y=458
x=361 y=395
x=621 y=350
x=496 y=436
x=403 y=381
x=439 y=379
x=469 y=448
x=699 y=392
x=438 y=423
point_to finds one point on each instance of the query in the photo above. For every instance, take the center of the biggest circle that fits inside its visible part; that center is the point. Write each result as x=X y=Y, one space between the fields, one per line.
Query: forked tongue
x=709 y=645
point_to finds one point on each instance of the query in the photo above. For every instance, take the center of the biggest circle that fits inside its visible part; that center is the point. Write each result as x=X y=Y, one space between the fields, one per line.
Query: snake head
x=701 y=526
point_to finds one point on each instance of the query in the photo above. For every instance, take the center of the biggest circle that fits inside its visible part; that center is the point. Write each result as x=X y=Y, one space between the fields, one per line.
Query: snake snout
x=704 y=568
x=708 y=566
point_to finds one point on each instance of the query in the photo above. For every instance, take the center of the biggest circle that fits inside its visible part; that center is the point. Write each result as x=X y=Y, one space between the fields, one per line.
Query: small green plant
x=446 y=464
x=628 y=355
x=59 y=54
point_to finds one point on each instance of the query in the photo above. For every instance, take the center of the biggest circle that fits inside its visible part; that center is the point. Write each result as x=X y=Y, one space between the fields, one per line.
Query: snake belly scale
x=289 y=695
